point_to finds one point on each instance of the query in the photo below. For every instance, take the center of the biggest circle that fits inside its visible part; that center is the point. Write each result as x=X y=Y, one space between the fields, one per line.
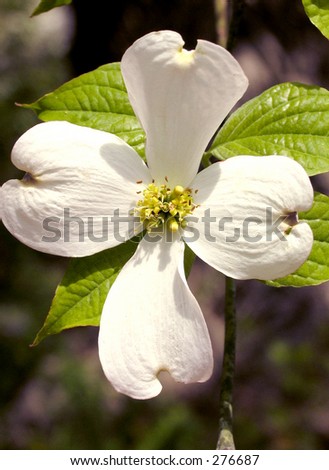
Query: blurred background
x=55 y=396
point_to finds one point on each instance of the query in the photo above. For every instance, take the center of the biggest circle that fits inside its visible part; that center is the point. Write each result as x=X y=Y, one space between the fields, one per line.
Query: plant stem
x=225 y=440
x=228 y=19
x=221 y=12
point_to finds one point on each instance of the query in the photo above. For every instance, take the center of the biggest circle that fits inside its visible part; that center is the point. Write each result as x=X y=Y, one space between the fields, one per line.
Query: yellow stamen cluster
x=162 y=206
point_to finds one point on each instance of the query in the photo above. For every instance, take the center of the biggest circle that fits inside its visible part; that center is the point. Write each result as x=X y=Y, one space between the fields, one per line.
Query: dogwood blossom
x=240 y=216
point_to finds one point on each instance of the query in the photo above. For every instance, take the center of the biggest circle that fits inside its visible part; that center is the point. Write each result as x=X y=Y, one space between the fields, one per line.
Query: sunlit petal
x=180 y=97
x=77 y=181
x=151 y=322
x=246 y=225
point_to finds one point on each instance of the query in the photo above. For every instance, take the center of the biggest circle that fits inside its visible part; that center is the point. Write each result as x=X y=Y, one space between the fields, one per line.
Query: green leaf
x=288 y=119
x=189 y=258
x=318 y=13
x=315 y=270
x=47 y=5
x=80 y=296
x=96 y=99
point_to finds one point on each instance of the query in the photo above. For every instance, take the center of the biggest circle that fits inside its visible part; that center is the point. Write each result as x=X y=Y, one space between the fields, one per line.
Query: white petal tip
x=141 y=391
x=145 y=390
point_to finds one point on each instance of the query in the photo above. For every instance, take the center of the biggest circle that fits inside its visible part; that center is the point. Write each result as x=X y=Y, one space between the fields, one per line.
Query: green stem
x=221 y=11
x=228 y=18
x=225 y=440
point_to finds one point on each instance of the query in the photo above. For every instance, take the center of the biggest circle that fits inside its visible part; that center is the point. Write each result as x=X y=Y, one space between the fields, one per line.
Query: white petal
x=76 y=178
x=245 y=196
x=152 y=322
x=180 y=97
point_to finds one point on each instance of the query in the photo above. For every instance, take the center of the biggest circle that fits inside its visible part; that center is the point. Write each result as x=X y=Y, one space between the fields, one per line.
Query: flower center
x=163 y=207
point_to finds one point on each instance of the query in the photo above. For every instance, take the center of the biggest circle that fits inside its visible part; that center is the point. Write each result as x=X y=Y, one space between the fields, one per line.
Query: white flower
x=239 y=216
